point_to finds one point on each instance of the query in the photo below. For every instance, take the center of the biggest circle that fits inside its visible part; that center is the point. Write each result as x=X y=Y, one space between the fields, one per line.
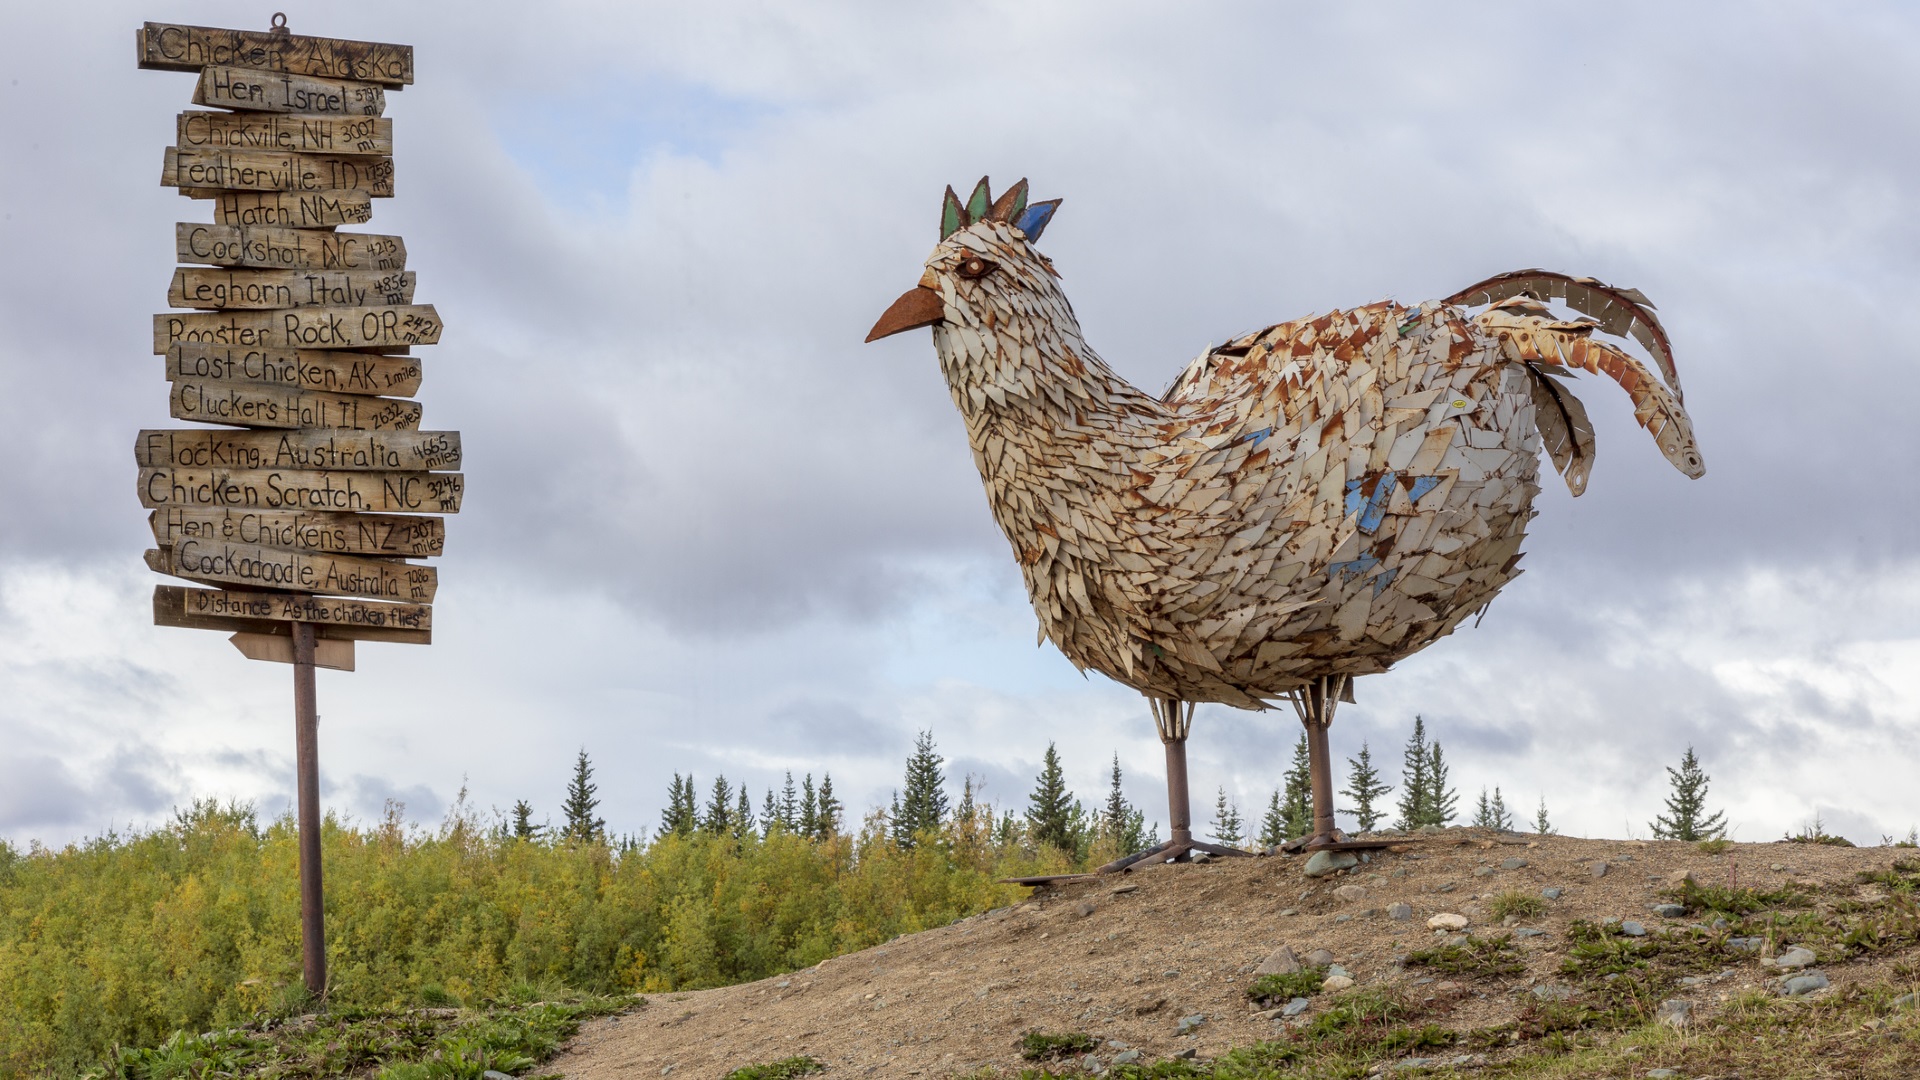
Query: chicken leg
x=1173 y=718
x=1316 y=702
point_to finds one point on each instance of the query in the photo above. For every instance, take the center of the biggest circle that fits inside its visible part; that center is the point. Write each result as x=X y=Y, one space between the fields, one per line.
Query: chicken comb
x=1011 y=207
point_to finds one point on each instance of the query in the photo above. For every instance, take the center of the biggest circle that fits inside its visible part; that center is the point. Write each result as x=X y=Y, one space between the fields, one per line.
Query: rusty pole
x=306 y=739
x=1319 y=758
x=1179 y=804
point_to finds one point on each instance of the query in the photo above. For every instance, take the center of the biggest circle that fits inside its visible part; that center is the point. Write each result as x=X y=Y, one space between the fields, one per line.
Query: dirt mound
x=1133 y=958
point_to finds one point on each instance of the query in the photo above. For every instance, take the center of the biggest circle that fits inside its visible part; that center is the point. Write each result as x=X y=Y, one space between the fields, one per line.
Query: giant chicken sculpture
x=1308 y=503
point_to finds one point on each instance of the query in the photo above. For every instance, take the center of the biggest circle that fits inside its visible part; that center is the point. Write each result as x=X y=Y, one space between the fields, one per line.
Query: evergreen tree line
x=921 y=811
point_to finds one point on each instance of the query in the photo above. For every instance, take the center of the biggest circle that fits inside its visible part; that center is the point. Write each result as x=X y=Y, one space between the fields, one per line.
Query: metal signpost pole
x=306 y=737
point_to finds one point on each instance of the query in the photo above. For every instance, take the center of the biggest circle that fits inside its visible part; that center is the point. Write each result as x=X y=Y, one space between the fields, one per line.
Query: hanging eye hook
x=280 y=22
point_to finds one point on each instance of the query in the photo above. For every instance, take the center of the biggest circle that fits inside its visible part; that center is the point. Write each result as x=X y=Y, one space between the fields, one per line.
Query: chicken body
x=1323 y=497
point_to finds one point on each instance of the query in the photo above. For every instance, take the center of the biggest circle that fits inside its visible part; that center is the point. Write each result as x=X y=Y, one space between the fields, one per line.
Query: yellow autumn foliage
x=122 y=940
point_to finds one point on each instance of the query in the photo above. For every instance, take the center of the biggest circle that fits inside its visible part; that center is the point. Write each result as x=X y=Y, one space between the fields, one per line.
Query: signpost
x=299 y=515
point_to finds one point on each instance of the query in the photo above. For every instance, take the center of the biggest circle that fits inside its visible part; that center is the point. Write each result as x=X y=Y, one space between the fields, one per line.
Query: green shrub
x=1038 y=1046
x=1483 y=957
x=1294 y=984
x=1518 y=903
x=784 y=1069
x=124 y=940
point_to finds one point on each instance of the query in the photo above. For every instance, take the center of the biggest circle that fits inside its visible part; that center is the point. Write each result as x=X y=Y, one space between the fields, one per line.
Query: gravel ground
x=1126 y=957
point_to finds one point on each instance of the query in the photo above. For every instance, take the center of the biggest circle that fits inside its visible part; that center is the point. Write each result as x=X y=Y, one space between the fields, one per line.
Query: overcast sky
x=707 y=530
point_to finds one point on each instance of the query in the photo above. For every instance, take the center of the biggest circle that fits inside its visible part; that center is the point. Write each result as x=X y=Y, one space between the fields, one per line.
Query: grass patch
x=1517 y=903
x=1294 y=984
x=1852 y=1034
x=1040 y=1046
x=1717 y=846
x=1476 y=957
x=784 y=1069
x=383 y=1044
x=1735 y=902
x=1902 y=877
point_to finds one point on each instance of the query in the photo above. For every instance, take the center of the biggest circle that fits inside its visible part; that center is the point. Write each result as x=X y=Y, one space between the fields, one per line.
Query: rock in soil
x=1674 y=1012
x=1795 y=958
x=1804 y=984
x=1280 y=961
x=1446 y=920
x=1322 y=863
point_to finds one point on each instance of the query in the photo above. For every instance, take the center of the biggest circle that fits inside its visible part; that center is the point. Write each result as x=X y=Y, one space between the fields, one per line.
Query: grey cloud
x=668 y=411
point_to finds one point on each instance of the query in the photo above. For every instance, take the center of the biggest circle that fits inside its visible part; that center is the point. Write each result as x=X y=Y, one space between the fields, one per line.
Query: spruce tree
x=1226 y=821
x=769 y=814
x=1121 y=821
x=826 y=820
x=809 y=821
x=580 y=803
x=1297 y=804
x=1273 y=827
x=789 y=805
x=682 y=814
x=718 y=820
x=1502 y=817
x=1413 y=778
x=965 y=813
x=1050 y=806
x=1483 y=811
x=743 y=823
x=523 y=826
x=923 y=803
x=1365 y=789
x=1442 y=801
x=1540 y=823
x=1686 y=817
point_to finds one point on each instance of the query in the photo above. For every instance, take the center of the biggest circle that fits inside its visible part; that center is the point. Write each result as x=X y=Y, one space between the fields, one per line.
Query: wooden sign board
x=221 y=289
x=196 y=130
x=302 y=489
x=402 y=535
x=308 y=448
x=337 y=655
x=174 y=47
x=169 y=609
x=248 y=405
x=291 y=210
x=269 y=248
x=260 y=91
x=296 y=369
x=274 y=170
x=303 y=328
x=307 y=571
x=299 y=607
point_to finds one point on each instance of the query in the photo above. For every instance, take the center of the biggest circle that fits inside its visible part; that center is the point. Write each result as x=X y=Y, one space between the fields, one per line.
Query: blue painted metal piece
x=1258 y=437
x=1033 y=220
x=1385 y=579
x=1372 y=509
x=1353 y=567
x=1422 y=485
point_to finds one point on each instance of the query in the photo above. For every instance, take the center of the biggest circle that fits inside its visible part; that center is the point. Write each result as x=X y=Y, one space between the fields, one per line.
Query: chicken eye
x=975 y=268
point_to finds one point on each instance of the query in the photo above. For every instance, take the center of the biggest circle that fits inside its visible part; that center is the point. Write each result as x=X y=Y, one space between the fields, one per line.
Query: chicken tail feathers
x=1620 y=312
x=1544 y=344
x=1564 y=428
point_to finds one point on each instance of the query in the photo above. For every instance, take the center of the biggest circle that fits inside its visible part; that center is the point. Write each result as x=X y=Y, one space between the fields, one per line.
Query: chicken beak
x=917 y=307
